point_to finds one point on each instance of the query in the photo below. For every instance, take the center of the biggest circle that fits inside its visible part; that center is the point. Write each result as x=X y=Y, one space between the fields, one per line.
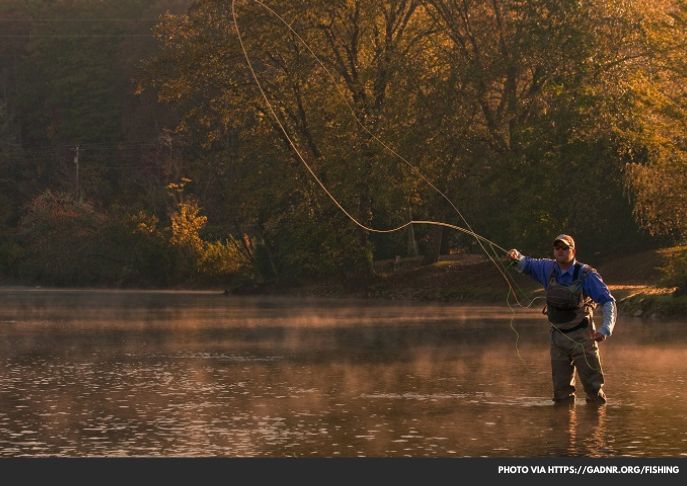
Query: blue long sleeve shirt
x=593 y=285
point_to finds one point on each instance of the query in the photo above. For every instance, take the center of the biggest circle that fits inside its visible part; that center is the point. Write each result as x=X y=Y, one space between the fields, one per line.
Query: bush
x=138 y=251
x=220 y=262
x=200 y=261
x=10 y=256
x=675 y=272
x=323 y=247
x=60 y=239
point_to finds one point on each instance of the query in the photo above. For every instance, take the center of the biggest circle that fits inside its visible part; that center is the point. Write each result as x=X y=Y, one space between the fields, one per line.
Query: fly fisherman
x=572 y=291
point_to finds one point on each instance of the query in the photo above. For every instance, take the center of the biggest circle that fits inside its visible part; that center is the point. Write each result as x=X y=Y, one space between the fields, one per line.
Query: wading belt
x=581 y=325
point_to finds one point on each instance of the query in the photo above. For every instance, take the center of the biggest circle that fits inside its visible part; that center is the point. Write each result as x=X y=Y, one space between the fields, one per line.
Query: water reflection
x=205 y=375
x=580 y=431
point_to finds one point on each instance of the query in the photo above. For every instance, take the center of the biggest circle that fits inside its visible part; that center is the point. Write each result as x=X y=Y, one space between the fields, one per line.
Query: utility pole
x=78 y=182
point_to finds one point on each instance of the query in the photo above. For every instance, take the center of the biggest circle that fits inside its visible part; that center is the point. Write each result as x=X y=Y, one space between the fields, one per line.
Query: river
x=126 y=373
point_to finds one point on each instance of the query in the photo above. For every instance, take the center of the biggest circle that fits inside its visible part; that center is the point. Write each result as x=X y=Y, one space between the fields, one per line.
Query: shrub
x=60 y=237
x=675 y=272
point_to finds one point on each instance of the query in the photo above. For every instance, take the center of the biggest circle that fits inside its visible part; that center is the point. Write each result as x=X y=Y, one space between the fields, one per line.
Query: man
x=572 y=291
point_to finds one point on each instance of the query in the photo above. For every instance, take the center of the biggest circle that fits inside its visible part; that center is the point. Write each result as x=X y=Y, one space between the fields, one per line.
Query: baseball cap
x=565 y=239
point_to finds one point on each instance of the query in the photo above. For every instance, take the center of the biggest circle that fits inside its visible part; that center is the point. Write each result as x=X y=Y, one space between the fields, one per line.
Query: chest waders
x=567 y=308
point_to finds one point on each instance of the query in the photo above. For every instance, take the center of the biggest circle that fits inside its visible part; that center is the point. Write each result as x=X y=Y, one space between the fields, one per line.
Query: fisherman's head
x=564 y=249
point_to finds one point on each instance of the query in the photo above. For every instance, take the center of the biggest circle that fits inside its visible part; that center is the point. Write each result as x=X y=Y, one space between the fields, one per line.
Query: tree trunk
x=411 y=248
x=433 y=246
x=411 y=242
x=444 y=248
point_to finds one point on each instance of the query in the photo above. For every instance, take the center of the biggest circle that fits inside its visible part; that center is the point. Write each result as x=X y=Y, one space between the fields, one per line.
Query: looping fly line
x=481 y=240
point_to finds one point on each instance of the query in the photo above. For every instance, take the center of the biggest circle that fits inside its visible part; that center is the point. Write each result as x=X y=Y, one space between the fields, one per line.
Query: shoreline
x=637 y=301
x=464 y=279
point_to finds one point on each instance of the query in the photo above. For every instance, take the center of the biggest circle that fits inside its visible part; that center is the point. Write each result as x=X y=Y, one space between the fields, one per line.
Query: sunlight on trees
x=534 y=117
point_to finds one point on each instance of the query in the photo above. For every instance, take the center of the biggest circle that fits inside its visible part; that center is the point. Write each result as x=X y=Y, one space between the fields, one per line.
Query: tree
x=542 y=87
x=361 y=43
x=67 y=72
x=657 y=152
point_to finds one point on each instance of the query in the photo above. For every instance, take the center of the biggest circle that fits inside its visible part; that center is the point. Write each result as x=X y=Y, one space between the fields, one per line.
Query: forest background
x=137 y=151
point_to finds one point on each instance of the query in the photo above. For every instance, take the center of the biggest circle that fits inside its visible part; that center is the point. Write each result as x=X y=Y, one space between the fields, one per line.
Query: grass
x=636 y=282
x=634 y=279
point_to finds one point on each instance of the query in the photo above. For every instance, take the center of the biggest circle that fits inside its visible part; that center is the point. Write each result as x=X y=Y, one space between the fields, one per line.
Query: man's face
x=562 y=253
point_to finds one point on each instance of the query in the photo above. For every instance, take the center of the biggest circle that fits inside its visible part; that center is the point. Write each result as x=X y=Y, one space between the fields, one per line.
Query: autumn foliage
x=136 y=148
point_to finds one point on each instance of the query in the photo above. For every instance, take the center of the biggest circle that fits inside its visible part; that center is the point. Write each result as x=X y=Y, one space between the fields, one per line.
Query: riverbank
x=634 y=280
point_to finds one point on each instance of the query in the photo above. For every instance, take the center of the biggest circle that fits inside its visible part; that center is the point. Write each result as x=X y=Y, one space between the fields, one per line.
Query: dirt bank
x=634 y=279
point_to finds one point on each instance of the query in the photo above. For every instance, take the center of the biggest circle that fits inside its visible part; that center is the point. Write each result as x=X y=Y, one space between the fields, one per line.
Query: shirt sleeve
x=595 y=288
x=610 y=313
x=537 y=268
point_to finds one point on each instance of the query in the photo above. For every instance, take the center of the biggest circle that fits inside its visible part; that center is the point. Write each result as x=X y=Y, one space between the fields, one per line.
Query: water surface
x=95 y=373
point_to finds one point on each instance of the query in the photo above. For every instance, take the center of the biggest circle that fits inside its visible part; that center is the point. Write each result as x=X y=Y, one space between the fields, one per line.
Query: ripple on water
x=521 y=401
x=414 y=396
x=238 y=358
x=204 y=394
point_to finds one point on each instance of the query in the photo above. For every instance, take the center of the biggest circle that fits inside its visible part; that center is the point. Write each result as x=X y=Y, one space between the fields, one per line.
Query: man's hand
x=513 y=254
x=598 y=337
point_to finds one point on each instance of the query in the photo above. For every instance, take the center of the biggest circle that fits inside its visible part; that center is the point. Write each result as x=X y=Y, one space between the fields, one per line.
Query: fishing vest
x=567 y=305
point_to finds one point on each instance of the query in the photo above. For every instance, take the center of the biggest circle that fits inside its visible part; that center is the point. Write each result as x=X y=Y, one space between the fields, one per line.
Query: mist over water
x=95 y=373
